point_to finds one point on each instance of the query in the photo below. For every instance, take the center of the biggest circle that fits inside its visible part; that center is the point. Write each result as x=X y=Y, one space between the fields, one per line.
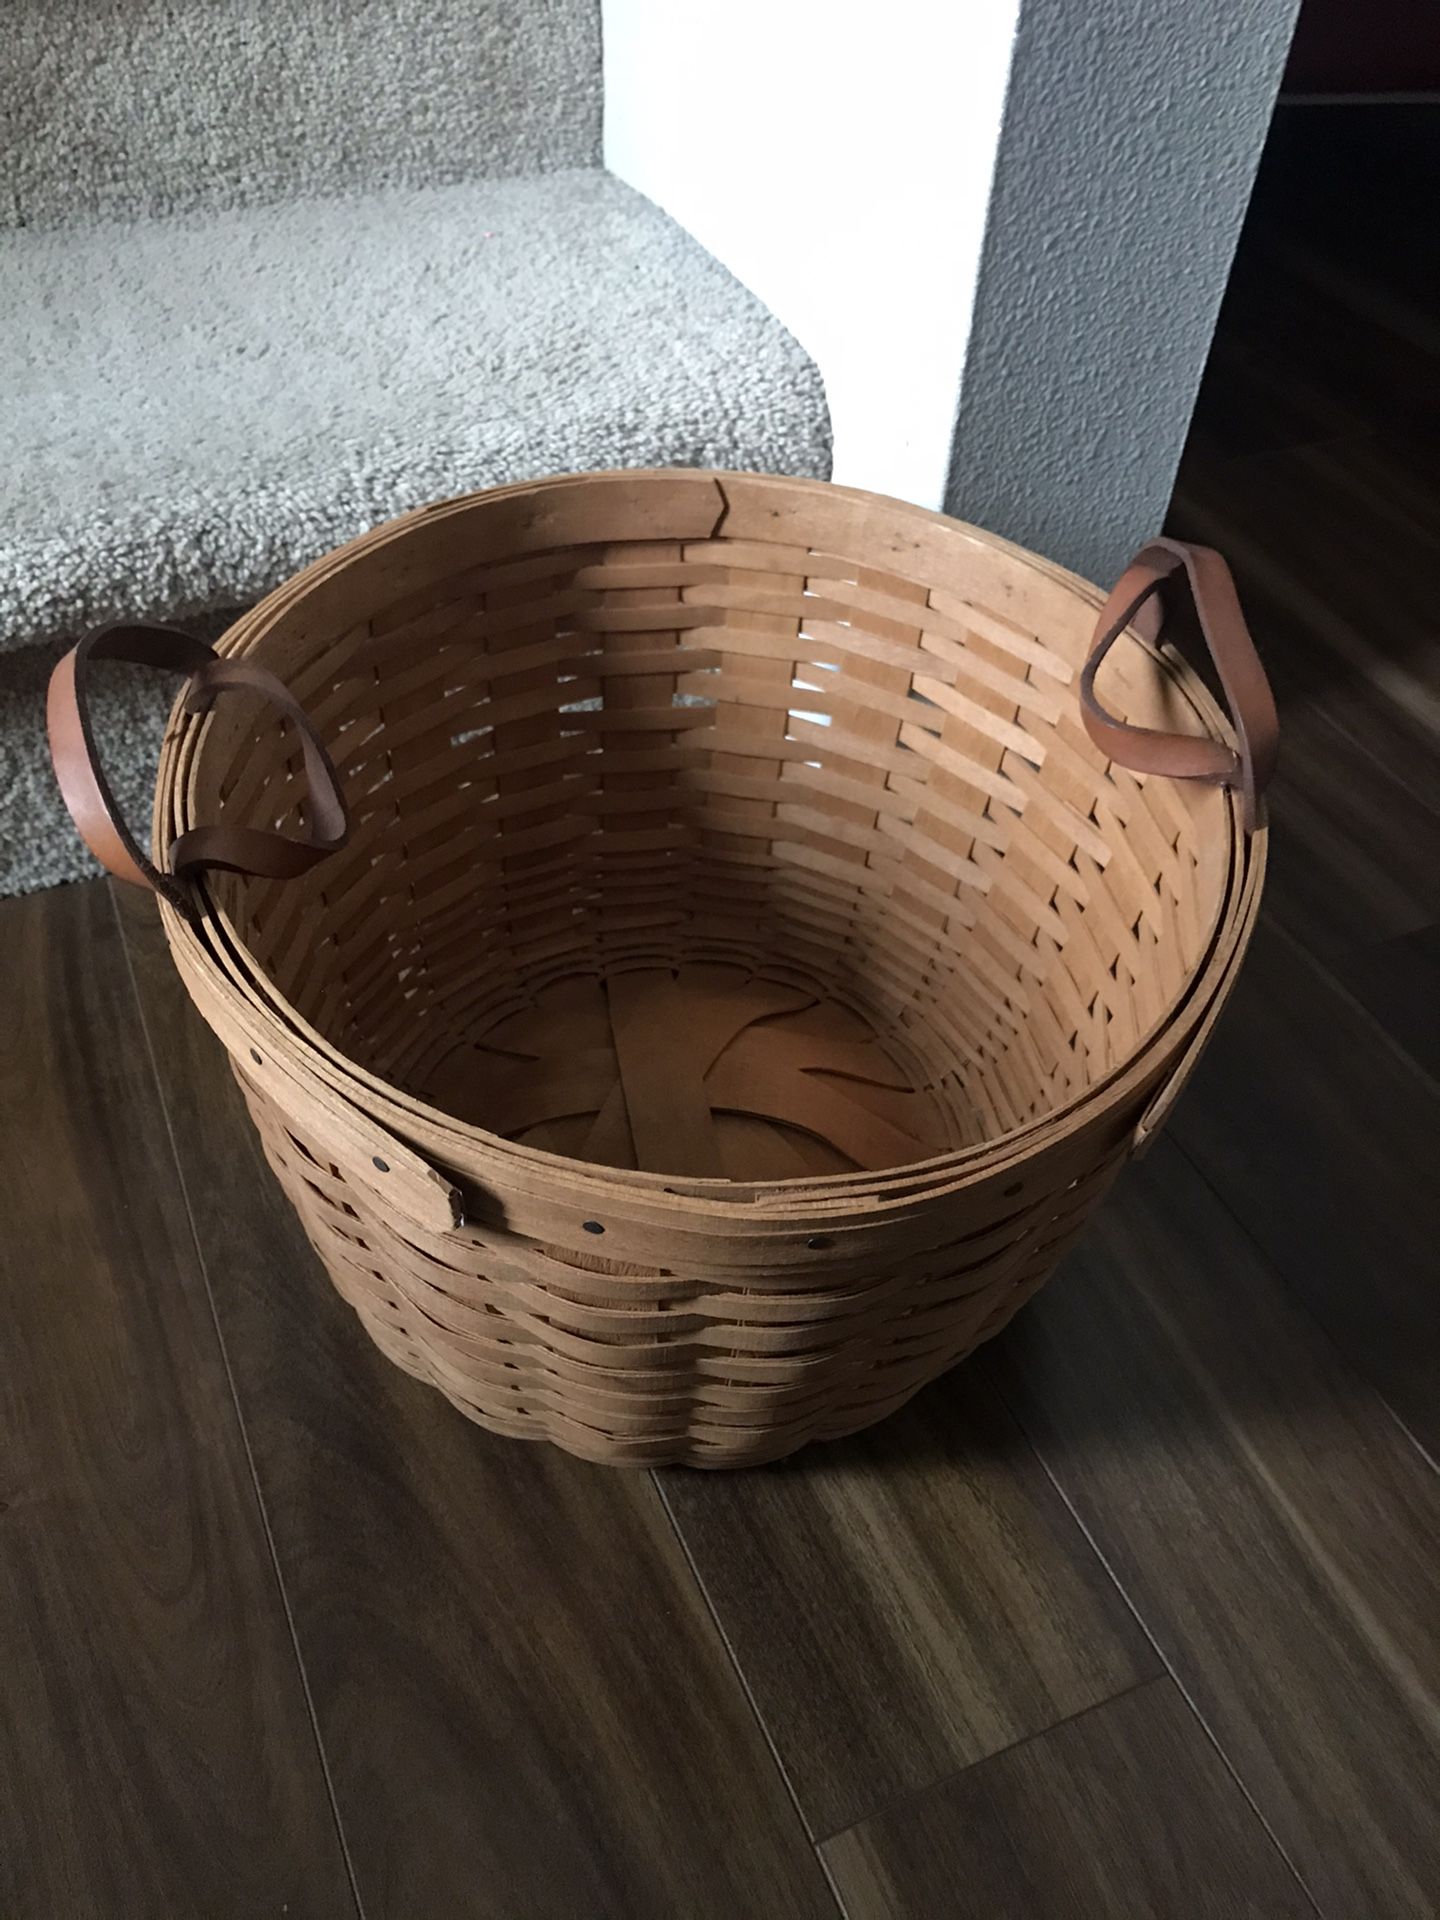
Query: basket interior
x=718 y=830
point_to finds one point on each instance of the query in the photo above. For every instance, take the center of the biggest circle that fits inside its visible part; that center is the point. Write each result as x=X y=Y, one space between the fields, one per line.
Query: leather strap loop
x=91 y=804
x=1181 y=756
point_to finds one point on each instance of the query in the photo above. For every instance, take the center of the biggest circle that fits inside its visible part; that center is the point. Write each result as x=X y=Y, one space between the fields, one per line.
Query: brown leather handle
x=1183 y=756
x=91 y=804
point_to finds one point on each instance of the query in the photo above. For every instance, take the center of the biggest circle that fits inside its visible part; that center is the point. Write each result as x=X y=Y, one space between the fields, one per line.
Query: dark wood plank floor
x=1126 y=1810
x=1136 y=1617
x=922 y=1631
x=526 y=1705
x=157 y=1754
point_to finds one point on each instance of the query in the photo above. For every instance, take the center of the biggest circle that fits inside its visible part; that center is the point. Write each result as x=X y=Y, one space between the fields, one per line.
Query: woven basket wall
x=738 y=914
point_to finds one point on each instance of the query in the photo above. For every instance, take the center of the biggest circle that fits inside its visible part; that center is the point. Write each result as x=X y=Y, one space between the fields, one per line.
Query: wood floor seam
x=884 y=1809
x=1337 y=983
x=1300 y=1303
x=744 y=1685
x=157 y=1745
x=204 y=1269
x=520 y=1691
x=1124 y=1811
x=1169 y=1672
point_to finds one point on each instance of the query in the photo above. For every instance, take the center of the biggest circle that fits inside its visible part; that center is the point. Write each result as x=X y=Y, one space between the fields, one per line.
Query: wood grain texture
x=1125 y=1811
x=525 y=1704
x=1357 y=851
x=1336 y=544
x=1320 y=1133
x=1314 y=465
x=1398 y=982
x=156 y=1755
x=938 y=1601
x=1254 y=398
x=1273 y=1526
x=1334 y=549
x=1337 y=263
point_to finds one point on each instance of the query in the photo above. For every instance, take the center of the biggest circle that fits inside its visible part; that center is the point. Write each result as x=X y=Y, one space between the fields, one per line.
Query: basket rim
x=1227 y=934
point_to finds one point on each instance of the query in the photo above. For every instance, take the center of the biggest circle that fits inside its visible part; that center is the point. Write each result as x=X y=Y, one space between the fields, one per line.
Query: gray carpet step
x=201 y=405
x=127 y=108
x=255 y=386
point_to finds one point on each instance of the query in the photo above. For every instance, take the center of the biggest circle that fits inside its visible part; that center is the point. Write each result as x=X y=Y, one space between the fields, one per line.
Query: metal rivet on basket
x=382 y=1166
x=818 y=1242
x=593 y=1226
x=255 y=1056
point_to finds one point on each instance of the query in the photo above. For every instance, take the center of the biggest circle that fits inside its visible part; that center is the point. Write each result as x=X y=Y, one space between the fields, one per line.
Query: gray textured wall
x=136 y=107
x=1131 y=135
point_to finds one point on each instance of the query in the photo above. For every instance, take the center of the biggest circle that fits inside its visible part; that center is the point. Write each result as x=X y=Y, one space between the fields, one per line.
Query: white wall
x=1010 y=320
x=838 y=157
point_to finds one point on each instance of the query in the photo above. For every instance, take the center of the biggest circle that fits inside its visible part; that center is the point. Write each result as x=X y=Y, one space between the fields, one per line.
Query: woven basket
x=744 y=968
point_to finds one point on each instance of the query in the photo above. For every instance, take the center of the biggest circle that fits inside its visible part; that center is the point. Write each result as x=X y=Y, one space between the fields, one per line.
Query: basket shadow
x=1164 y=1342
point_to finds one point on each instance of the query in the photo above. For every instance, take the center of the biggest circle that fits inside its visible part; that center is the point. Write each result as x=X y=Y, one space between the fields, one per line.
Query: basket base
x=707 y=1070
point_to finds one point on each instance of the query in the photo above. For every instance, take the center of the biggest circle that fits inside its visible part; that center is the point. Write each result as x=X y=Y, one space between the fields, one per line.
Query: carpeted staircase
x=275 y=271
